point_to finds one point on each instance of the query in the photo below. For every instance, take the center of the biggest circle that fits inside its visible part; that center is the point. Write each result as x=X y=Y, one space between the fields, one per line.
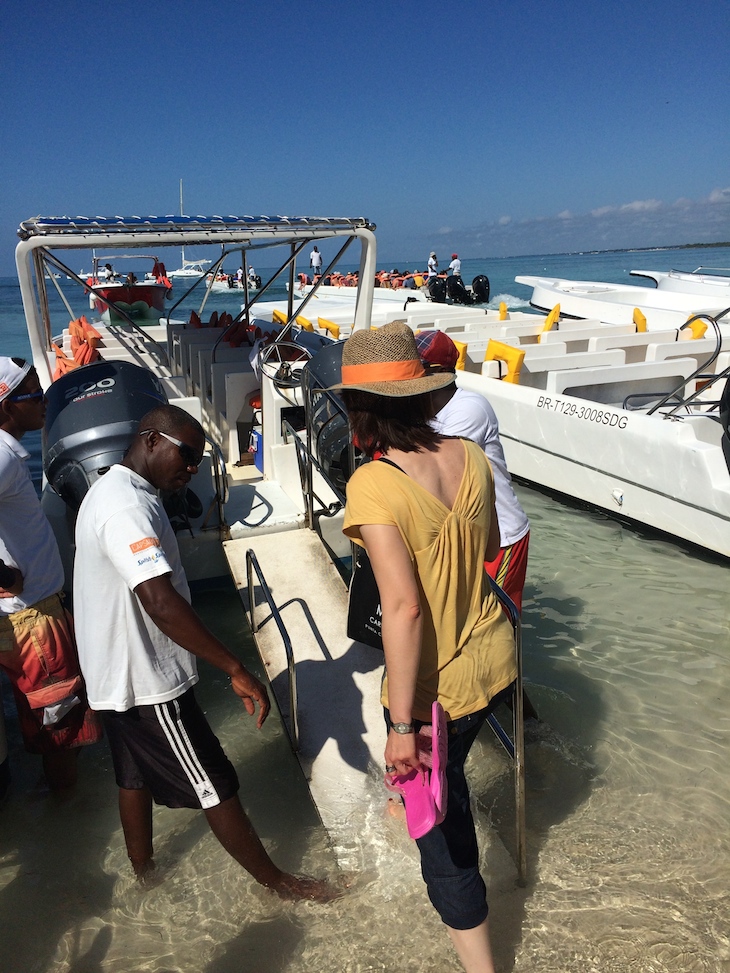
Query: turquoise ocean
x=627 y=656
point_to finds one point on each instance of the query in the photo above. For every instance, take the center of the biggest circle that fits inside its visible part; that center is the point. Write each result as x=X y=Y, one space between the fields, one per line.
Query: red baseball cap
x=436 y=348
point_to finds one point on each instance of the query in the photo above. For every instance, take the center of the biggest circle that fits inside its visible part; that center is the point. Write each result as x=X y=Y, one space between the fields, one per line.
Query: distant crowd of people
x=410 y=279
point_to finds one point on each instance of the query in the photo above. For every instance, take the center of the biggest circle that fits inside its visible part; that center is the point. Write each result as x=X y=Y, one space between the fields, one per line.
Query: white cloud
x=719 y=196
x=641 y=206
x=640 y=223
x=445 y=230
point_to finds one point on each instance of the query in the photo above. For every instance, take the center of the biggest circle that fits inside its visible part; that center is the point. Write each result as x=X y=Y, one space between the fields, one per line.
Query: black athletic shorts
x=170 y=749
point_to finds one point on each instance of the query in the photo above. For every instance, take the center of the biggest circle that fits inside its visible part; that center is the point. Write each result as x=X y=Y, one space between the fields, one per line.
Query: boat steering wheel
x=277 y=366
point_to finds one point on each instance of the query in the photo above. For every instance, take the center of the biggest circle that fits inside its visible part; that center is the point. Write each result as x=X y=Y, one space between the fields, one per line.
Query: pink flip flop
x=425 y=792
x=421 y=813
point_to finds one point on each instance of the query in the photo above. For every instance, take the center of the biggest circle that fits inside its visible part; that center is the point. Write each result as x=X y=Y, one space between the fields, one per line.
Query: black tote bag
x=364 y=616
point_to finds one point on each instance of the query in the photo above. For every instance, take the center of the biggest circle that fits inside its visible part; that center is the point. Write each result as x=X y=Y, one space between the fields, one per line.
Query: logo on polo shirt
x=144 y=544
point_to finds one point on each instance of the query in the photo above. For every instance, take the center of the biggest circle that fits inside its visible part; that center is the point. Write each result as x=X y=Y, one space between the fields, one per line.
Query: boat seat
x=182 y=344
x=700 y=349
x=578 y=338
x=476 y=350
x=634 y=345
x=536 y=370
x=612 y=385
x=201 y=363
x=533 y=351
x=578 y=324
x=219 y=375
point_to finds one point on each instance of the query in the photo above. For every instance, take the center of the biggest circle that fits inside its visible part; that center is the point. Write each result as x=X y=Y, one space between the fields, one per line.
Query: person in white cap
x=37 y=650
x=433 y=264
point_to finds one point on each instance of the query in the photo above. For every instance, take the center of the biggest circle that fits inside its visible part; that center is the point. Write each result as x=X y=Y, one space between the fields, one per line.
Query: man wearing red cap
x=455 y=265
x=468 y=414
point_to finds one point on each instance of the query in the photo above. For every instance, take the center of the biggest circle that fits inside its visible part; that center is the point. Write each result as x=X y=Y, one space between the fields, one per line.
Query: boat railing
x=221 y=493
x=675 y=399
x=308 y=463
x=710 y=271
x=252 y=565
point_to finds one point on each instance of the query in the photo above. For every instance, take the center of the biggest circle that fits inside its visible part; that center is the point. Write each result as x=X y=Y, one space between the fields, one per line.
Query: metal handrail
x=307 y=463
x=698 y=371
x=252 y=565
x=516 y=747
x=222 y=491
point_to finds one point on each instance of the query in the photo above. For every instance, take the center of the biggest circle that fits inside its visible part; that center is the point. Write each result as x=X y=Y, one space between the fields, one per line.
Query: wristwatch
x=403 y=727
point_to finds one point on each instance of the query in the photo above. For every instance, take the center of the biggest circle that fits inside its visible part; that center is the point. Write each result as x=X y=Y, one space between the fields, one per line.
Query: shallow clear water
x=627 y=653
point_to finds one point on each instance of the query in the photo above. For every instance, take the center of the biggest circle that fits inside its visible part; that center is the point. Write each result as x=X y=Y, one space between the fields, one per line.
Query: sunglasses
x=187 y=453
x=40 y=394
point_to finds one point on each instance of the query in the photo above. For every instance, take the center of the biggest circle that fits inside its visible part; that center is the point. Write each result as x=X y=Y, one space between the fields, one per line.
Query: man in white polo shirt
x=37 y=649
x=138 y=642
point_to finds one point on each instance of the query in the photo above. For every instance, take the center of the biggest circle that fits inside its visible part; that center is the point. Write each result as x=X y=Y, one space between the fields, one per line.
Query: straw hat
x=385 y=361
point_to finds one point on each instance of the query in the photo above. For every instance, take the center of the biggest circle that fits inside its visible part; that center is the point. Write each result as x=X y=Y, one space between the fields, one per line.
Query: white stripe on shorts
x=177 y=737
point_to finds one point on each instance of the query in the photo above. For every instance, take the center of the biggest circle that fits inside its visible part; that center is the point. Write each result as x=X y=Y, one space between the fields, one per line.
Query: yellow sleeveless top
x=467 y=649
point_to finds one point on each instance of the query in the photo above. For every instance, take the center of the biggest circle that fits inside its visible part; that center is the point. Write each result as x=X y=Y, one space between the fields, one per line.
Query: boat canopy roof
x=204 y=228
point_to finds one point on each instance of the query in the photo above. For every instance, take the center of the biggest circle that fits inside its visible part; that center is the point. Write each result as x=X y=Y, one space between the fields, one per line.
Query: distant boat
x=189 y=268
x=140 y=299
x=676 y=296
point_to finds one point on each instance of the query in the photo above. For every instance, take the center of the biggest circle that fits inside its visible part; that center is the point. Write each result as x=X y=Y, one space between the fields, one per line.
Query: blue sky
x=491 y=129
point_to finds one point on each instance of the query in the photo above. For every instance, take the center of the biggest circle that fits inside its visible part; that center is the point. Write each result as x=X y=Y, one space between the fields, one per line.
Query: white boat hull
x=665 y=474
x=615 y=303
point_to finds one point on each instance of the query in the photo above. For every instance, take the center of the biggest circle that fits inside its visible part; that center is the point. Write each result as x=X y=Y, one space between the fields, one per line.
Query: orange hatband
x=382 y=371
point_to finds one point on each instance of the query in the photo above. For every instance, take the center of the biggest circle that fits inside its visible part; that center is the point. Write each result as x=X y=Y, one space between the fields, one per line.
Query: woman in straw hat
x=427 y=519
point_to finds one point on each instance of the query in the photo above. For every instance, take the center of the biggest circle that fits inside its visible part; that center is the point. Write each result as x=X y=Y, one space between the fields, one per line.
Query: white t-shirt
x=315 y=260
x=124 y=537
x=26 y=538
x=469 y=414
x=455 y=267
x=432 y=266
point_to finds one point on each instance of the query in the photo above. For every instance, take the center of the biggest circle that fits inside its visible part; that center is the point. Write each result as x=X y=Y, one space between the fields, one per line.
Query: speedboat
x=270 y=490
x=190 y=268
x=115 y=296
x=221 y=283
x=676 y=296
x=632 y=422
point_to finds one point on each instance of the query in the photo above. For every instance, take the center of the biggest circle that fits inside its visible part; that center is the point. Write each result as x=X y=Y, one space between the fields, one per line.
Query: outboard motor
x=91 y=418
x=480 y=287
x=437 y=289
x=456 y=290
x=725 y=420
